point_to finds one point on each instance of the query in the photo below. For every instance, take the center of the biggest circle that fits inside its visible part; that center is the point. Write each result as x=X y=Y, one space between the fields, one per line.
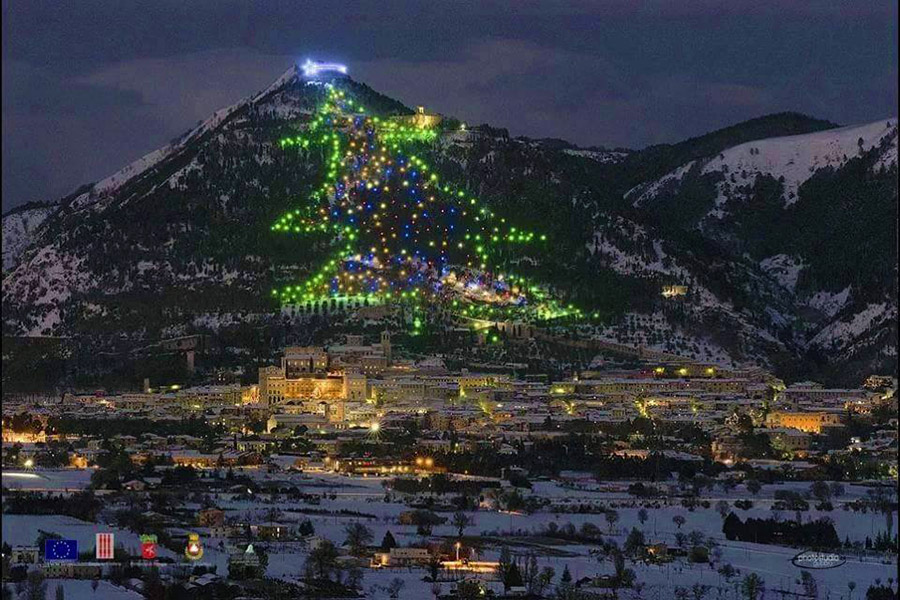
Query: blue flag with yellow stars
x=60 y=549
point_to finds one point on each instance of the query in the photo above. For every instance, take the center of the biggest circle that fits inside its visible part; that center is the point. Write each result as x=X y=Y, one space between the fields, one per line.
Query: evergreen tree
x=388 y=542
x=732 y=527
x=505 y=564
x=565 y=590
x=634 y=543
x=752 y=586
x=513 y=577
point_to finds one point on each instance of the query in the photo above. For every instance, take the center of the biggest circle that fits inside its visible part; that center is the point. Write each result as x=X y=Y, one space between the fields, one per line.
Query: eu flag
x=60 y=549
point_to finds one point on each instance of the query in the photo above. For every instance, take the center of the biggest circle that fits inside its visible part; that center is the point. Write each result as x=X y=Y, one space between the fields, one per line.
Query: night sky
x=91 y=86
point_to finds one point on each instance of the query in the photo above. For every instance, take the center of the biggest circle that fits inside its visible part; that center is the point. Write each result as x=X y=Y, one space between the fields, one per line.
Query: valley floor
x=523 y=533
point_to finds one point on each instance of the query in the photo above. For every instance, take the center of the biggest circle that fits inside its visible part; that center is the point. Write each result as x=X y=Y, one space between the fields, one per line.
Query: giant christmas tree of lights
x=399 y=233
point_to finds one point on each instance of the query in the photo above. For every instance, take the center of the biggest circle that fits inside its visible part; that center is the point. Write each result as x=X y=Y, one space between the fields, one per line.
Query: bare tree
x=393 y=588
x=881 y=499
x=612 y=517
x=358 y=537
x=723 y=508
x=810 y=587
x=698 y=591
x=461 y=520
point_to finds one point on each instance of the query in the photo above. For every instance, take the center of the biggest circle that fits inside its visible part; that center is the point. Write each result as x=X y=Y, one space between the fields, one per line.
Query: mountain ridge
x=210 y=193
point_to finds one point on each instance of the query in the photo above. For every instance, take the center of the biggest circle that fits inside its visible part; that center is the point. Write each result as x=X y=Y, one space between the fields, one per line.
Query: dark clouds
x=90 y=86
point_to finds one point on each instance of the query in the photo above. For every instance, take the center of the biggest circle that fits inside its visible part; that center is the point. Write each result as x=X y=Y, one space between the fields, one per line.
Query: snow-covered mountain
x=19 y=226
x=790 y=159
x=817 y=213
x=189 y=221
x=765 y=230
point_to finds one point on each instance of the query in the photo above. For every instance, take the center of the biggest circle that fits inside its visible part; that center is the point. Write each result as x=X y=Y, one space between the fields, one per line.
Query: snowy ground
x=366 y=495
x=48 y=480
x=80 y=589
x=772 y=563
x=23 y=530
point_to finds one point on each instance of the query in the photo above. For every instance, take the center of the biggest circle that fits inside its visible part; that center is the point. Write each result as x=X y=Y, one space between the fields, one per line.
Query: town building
x=401 y=557
x=810 y=422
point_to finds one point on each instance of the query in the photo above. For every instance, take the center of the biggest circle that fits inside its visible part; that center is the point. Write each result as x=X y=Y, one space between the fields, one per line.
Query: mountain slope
x=19 y=225
x=754 y=223
x=817 y=213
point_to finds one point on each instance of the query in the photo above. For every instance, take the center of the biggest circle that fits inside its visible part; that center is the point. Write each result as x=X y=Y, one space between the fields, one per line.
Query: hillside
x=815 y=212
x=19 y=226
x=777 y=226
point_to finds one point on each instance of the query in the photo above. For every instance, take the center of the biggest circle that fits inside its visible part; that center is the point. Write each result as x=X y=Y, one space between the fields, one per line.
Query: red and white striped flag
x=105 y=546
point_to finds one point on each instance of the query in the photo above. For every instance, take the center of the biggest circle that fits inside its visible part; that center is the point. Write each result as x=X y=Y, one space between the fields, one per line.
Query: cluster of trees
x=108 y=428
x=52 y=454
x=115 y=467
x=439 y=484
x=515 y=501
x=30 y=585
x=790 y=500
x=587 y=533
x=358 y=538
x=323 y=571
x=424 y=520
x=880 y=591
x=824 y=492
x=882 y=543
x=698 y=591
x=23 y=423
x=814 y=534
x=525 y=572
x=80 y=505
x=179 y=476
x=577 y=452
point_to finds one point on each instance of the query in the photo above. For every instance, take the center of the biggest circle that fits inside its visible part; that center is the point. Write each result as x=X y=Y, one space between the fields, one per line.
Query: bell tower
x=386 y=345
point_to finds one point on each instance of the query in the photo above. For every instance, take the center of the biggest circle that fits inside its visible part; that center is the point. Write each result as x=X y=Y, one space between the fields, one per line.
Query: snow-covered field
x=366 y=495
x=48 y=480
x=23 y=530
x=80 y=589
x=772 y=563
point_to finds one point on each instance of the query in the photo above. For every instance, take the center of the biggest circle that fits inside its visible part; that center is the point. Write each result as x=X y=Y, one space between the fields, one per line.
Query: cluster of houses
x=355 y=391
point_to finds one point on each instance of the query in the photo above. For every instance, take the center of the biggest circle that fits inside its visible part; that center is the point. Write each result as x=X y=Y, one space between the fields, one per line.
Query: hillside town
x=351 y=470
x=479 y=301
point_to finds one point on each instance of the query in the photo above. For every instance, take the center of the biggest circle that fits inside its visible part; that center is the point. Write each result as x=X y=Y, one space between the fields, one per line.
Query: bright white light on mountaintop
x=313 y=68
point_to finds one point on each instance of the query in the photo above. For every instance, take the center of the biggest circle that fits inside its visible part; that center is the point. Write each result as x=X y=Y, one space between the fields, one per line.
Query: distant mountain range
x=782 y=229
